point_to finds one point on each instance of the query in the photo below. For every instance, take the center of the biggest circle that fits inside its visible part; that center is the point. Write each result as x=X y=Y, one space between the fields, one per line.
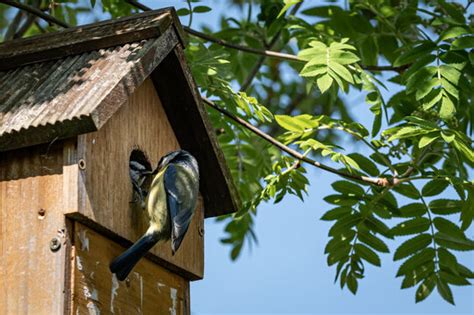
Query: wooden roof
x=62 y=84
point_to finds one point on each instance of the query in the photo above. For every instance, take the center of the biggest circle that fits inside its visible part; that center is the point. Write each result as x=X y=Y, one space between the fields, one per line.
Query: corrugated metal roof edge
x=47 y=133
x=89 y=37
x=108 y=104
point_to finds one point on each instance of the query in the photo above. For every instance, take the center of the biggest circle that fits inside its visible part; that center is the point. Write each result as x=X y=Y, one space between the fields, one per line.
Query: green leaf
x=183 y=12
x=447 y=261
x=452 y=32
x=408 y=132
x=464 y=150
x=92 y=3
x=465 y=271
x=201 y=9
x=426 y=140
x=413 y=226
x=288 y=4
x=447 y=109
x=324 y=82
x=336 y=213
x=367 y=254
x=378 y=226
x=415 y=53
x=444 y=290
x=373 y=241
x=450 y=73
x=341 y=200
x=463 y=43
x=344 y=224
x=365 y=164
x=445 y=206
x=448 y=227
x=339 y=240
x=235 y=252
x=296 y=123
x=467 y=211
x=413 y=210
x=344 y=58
x=407 y=190
x=351 y=282
x=432 y=98
x=341 y=71
x=417 y=275
x=425 y=288
x=454 y=242
x=313 y=70
x=412 y=246
x=448 y=138
x=348 y=188
x=453 y=279
x=412 y=263
x=340 y=252
x=434 y=187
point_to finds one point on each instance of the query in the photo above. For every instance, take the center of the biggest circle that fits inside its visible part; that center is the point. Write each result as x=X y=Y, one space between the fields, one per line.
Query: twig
x=41 y=29
x=29 y=21
x=10 y=33
x=384 y=182
x=35 y=11
x=138 y=5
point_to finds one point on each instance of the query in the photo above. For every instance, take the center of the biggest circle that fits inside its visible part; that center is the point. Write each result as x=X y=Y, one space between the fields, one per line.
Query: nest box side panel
x=105 y=190
x=150 y=289
x=32 y=269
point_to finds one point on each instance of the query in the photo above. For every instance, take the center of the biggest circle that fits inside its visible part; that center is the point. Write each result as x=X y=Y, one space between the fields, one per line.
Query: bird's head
x=178 y=156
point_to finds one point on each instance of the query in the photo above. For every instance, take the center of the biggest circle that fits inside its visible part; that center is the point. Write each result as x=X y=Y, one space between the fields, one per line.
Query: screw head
x=82 y=164
x=55 y=244
x=41 y=213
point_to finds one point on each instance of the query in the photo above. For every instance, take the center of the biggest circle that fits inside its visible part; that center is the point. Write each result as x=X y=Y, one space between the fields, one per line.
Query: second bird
x=170 y=204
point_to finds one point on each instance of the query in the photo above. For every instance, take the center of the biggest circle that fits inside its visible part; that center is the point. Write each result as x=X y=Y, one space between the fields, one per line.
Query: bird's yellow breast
x=156 y=204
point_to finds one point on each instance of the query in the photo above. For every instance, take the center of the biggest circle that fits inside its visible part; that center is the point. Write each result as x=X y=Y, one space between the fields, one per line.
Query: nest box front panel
x=33 y=241
x=105 y=191
x=149 y=289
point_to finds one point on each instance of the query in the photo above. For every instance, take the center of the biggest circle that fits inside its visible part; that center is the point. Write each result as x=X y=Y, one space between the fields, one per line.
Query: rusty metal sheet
x=75 y=94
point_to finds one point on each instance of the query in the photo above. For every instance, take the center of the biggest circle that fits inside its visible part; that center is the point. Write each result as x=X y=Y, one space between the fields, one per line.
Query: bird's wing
x=181 y=200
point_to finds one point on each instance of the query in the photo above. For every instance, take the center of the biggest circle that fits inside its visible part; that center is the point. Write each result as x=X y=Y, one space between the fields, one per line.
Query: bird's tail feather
x=123 y=264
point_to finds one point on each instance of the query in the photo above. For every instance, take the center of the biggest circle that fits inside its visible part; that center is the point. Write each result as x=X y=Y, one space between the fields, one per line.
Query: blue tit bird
x=170 y=204
x=138 y=175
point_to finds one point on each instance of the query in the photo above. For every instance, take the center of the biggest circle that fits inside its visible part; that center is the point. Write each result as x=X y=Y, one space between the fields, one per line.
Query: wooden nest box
x=73 y=106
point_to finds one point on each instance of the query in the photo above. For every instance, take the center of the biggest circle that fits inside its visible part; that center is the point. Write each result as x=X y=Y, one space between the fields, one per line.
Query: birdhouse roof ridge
x=89 y=37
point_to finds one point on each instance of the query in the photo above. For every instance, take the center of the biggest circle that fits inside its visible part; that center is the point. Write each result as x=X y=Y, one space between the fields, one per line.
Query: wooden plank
x=182 y=103
x=150 y=289
x=85 y=38
x=31 y=275
x=105 y=190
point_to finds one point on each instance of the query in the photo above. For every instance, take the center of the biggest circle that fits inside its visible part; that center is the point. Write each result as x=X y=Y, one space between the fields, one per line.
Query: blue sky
x=287 y=272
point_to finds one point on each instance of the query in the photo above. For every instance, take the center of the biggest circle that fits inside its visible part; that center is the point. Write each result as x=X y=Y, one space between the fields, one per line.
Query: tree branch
x=29 y=21
x=384 y=182
x=35 y=11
